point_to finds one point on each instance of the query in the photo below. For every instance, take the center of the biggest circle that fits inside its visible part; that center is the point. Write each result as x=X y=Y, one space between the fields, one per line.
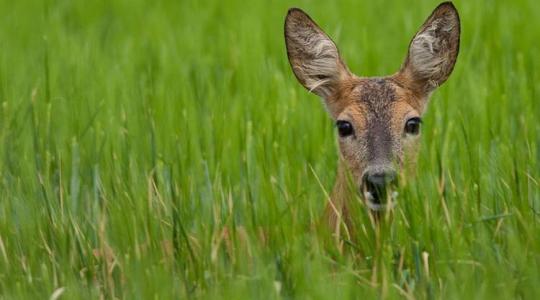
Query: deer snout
x=376 y=183
x=380 y=178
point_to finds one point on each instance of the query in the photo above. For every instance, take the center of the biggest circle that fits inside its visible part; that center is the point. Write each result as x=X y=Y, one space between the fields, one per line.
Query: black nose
x=376 y=182
x=380 y=179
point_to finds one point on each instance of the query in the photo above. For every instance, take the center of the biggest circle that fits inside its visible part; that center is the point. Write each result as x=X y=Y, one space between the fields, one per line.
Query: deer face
x=377 y=119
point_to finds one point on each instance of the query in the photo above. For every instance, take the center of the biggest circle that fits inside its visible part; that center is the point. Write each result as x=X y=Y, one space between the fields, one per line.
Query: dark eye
x=413 y=126
x=344 y=128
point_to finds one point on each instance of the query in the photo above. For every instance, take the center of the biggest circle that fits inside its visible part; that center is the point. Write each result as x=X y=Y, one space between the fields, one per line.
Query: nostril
x=380 y=178
x=376 y=179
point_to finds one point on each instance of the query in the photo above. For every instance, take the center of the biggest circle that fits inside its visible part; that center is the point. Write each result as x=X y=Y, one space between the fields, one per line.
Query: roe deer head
x=378 y=119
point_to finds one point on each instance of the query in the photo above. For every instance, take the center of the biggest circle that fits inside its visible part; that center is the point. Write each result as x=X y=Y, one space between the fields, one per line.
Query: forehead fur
x=373 y=96
x=377 y=94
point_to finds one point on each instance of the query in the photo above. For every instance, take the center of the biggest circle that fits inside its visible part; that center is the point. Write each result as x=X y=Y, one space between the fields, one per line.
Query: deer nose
x=380 y=178
x=375 y=182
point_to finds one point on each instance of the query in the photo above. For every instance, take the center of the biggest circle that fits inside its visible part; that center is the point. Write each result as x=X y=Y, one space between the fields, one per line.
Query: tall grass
x=154 y=149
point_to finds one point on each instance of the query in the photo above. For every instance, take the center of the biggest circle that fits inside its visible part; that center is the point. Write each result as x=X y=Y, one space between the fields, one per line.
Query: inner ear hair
x=313 y=56
x=433 y=50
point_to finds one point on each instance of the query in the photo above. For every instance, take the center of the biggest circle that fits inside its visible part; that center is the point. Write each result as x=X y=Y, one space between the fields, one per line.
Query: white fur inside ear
x=323 y=67
x=318 y=64
x=428 y=55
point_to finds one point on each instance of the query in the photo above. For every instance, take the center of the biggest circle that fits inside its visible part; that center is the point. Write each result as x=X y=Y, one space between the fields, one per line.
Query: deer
x=378 y=119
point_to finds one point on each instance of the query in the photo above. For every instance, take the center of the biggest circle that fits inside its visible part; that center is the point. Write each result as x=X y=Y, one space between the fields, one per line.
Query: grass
x=165 y=150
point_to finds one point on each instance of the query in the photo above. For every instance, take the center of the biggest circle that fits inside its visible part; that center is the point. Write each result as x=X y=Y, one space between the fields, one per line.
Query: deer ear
x=313 y=56
x=433 y=50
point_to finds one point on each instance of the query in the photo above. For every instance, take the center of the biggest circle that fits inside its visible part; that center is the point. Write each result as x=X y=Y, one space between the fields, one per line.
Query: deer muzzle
x=377 y=188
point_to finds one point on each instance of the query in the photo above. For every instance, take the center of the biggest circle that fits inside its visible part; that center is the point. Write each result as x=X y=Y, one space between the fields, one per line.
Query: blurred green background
x=163 y=149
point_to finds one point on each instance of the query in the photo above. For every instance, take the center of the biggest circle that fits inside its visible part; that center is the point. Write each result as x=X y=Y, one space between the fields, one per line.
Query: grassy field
x=156 y=149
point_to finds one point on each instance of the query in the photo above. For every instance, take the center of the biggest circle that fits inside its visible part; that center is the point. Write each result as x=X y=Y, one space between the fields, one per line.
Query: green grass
x=135 y=135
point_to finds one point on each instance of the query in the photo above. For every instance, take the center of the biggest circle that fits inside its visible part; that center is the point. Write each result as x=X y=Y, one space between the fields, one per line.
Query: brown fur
x=378 y=108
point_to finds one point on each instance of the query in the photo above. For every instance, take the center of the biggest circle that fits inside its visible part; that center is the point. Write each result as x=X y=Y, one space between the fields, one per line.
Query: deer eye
x=344 y=128
x=413 y=126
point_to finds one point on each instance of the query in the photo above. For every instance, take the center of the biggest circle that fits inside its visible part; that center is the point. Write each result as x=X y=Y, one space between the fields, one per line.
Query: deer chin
x=374 y=202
